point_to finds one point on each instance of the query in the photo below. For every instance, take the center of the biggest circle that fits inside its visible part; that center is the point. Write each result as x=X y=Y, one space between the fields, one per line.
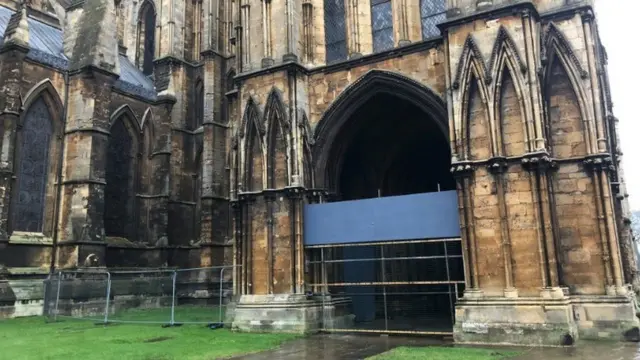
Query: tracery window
x=382 y=25
x=146 y=38
x=119 y=176
x=32 y=169
x=335 y=30
x=432 y=13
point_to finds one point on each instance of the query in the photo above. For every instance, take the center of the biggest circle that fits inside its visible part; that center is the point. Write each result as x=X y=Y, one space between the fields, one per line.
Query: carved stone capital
x=270 y=195
x=540 y=161
x=497 y=165
x=462 y=169
x=316 y=195
x=294 y=192
x=247 y=198
x=599 y=162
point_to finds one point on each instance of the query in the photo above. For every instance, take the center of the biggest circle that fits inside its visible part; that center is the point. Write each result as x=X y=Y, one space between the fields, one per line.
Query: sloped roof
x=45 y=43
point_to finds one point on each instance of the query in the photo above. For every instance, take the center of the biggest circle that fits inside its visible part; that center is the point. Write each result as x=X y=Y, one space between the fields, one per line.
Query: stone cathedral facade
x=192 y=133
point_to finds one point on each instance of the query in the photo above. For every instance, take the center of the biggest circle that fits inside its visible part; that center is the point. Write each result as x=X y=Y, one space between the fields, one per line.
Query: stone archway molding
x=358 y=93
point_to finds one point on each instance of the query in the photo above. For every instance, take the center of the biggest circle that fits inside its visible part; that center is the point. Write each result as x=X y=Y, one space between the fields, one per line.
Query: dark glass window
x=382 y=25
x=119 y=176
x=432 y=13
x=335 y=30
x=149 y=29
x=28 y=211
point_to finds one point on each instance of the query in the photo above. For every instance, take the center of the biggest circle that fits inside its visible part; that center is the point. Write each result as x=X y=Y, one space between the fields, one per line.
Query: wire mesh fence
x=168 y=296
x=395 y=287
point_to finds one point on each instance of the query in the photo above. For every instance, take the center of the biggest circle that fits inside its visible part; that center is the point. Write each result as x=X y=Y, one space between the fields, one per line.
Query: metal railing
x=168 y=297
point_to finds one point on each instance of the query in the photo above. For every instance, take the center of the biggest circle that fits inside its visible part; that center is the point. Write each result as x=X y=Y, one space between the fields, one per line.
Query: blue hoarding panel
x=419 y=216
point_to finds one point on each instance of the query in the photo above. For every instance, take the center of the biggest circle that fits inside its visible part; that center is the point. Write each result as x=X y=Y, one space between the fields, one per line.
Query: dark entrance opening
x=390 y=147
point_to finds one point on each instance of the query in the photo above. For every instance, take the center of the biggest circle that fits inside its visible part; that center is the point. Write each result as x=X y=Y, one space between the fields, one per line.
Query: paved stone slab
x=352 y=347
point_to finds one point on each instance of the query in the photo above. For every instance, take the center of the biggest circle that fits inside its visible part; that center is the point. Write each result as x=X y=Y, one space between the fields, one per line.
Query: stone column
x=93 y=69
x=214 y=236
x=539 y=166
x=537 y=138
x=12 y=55
x=160 y=176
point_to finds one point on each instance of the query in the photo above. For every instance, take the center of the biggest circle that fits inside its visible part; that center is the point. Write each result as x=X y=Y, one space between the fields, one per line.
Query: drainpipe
x=56 y=214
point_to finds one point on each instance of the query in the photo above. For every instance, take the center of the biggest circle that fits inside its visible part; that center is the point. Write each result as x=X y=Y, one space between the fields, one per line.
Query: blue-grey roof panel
x=132 y=80
x=5 y=14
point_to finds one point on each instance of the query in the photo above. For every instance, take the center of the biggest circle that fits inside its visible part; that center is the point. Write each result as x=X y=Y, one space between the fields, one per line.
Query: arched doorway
x=382 y=151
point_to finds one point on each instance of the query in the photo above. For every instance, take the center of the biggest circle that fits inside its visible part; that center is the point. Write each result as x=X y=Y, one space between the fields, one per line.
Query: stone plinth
x=288 y=313
x=543 y=321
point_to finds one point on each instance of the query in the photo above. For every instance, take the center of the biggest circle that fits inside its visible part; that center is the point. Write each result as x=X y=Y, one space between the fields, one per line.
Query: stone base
x=21 y=298
x=288 y=313
x=553 y=319
x=604 y=317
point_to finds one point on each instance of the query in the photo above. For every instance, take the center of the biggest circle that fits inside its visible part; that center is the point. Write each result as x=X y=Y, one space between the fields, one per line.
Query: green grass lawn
x=34 y=338
x=443 y=353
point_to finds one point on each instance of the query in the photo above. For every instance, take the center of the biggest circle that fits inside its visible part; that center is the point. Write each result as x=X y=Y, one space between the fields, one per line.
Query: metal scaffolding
x=401 y=287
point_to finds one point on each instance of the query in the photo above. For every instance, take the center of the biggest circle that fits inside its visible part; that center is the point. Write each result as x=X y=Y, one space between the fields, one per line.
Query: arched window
x=335 y=30
x=120 y=177
x=34 y=145
x=146 y=37
x=199 y=105
x=432 y=12
x=120 y=19
x=197 y=28
x=382 y=25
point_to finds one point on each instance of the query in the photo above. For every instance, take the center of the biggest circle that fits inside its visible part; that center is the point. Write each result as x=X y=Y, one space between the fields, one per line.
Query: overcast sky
x=616 y=20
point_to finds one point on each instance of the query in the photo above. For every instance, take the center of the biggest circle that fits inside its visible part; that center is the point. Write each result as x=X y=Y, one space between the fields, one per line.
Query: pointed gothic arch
x=146 y=37
x=278 y=159
x=554 y=41
x=557 y=51
x=505 y=60
x=505 y=47
x=471 y=54
x=252 y=132
x=121 y=175
x=36 y=159
x=50 y=95
x=374 y=82
x=473 y=89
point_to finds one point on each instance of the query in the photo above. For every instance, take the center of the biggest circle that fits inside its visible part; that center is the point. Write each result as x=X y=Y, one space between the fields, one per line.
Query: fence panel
x=202 y=295
x=77 y=294
x=165 y=296
x=141 y=296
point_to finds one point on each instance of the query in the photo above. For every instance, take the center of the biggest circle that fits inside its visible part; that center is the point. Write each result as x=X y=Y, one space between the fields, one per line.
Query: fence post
x=55 y=316
x=323 y=280
x=446 y=262
x=384 y=288
x=173 y=298
x=106 y=309
x=221 y=284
